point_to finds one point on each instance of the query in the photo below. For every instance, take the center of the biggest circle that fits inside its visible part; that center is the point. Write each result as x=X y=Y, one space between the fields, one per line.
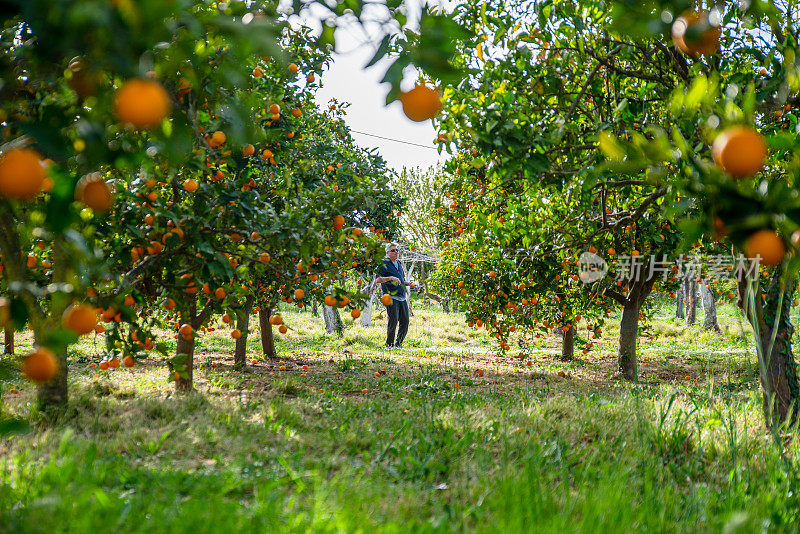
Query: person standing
x=392 y=278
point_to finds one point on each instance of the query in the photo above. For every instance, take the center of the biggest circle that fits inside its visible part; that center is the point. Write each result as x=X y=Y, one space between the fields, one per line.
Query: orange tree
x=527 y=127
x=740 y=101
x=118 y=93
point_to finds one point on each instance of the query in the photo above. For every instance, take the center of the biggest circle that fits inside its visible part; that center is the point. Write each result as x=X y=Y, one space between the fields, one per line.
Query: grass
x=369 y=440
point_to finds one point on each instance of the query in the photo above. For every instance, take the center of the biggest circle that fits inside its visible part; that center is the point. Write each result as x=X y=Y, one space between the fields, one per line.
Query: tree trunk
x=267 y=339
x=709 y=309
x=242 y=325
x=53 y=395
x=568 y=344
x=628 y=333
x=690 y=299
x=8 y=338
x=777 y=368
x=185 y=346
x=679 y=303
x=333 y=322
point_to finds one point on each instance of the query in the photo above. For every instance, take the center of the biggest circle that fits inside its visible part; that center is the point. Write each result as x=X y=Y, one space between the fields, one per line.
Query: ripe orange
x=128 y=361
x=274 y=109
x=299 y=294
x=21 y=174
x=190 y=185
x=217 y=139
x=226 y=319
x=296 y=112
x=694 y=35
x=493 y=274
x=236 y=334
x=310 y=78
x=386 y=300
x=355 y=313
x=276 y=320
x=93 y=191
x=40 y=366
x=219 y=293
x=293 y=68
x=330 y=300
x=113 y=363
x=249 y=150
x=768 y=244
x=264 y=257
x=283 y=329
x=740 y=151
x=257 y=72
x=79 y=318
x=144 y=104
x=421 y=103
x=338 y=222
x=185 y=329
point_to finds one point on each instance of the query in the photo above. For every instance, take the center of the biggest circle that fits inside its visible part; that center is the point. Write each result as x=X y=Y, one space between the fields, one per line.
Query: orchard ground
x=369 y=440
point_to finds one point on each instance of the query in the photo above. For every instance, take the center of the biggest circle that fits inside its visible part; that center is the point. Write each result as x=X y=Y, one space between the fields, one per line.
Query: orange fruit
x=128 y=361
x=236 y=334
x=21 y=174
x=79 y=318
x=93 y=191
x=276 y=320
x=40 y=366
x=218 y=138
x=740 y=151
x=299 y=294
x=293 y=68
x=355 y=313
x=493 y=274
x=257 y=72
x=219 y=293
x=767 y=244
x=190 y=185
x=694 y=35
x=226 y=319
x=283 y=329
x=113 y=363
x=421 y=103
x=264 y=257
x=386 y=300
x=330 y=300
x=310 y=78
x=144 y=104
x=185 y=329
x=274 y=109
x=338 y=222
x=249 y=150
x=296 y=112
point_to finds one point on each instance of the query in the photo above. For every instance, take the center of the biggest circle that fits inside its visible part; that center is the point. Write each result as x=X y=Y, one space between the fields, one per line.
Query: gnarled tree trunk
x=184 y=382
x=267 y=339
x=333 y=322
x=639 y=290
x=777 y=368
x=568 y=344
x=8 y=340
x=243 y=326
x=709 y=309
x=690 y=299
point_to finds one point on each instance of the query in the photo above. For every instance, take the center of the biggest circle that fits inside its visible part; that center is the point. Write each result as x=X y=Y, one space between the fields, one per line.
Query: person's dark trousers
x=397 y=312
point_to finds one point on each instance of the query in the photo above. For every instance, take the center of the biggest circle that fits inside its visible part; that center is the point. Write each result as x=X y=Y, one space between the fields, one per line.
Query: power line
x=395 y=140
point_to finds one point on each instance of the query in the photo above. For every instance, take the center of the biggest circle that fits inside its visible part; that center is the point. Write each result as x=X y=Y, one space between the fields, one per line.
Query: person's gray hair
x=390 y=245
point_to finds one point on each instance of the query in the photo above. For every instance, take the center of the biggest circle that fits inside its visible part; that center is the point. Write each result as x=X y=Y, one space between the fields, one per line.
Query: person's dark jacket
x=392 y=288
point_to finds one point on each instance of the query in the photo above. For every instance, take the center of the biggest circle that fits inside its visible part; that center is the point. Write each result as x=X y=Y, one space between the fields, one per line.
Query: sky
x=368 y=114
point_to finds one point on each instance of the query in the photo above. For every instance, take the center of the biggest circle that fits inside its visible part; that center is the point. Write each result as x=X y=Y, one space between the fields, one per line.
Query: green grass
x=423 y=446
